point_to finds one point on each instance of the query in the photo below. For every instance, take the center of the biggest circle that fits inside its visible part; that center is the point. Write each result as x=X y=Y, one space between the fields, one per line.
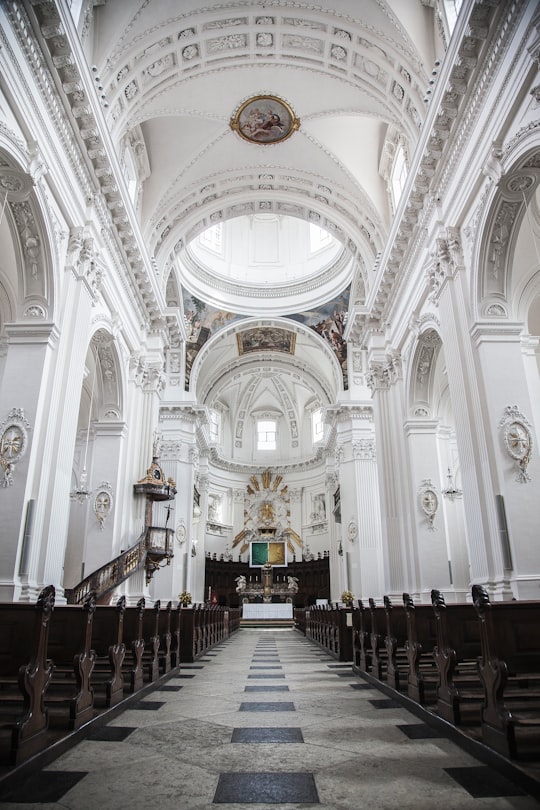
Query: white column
x=29 y=353
x=499 y=347
x=180 y=460
x=451 y=292
x=395 y=486
x=335 y=529
x=360 y=504
x=431 y=556
x=59 y=404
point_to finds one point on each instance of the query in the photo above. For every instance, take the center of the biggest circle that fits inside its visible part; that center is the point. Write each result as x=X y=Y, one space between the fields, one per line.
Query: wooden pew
x=510 y=672
x=376 y=636
x=108 y=643
x=395 y=641
x=175 y=636
x=423 y=675
x=134 y=639
x=150 y=635
x=165 y=639
x=233 y=619
x=300 y=620
x=361 y=621
x=70 y=697
x=459 y=692
x=25 y=674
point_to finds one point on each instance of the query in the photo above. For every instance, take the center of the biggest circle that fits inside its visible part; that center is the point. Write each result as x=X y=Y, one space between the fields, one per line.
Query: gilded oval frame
x=264 y=119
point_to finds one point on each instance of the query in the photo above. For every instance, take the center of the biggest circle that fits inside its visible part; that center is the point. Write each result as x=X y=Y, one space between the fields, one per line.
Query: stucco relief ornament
x=103 y=502
x=517 y=437
x=13 y=443
x=352 y=531
x=429 y=501
x=181 y=533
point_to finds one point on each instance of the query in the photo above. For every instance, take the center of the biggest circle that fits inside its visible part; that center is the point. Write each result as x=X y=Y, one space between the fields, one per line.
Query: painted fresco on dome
x=329 y=320
x=266 y=339
x=202 y=321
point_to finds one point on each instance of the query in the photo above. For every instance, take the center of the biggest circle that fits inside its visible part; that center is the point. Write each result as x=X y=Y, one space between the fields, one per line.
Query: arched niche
x=508 y=248
x=26 y=265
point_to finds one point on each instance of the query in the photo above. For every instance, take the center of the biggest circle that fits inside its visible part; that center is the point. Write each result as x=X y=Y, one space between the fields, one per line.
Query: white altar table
x=261 y=610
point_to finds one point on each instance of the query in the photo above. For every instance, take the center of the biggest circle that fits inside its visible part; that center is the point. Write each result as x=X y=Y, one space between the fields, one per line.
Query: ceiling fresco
x=204 y=321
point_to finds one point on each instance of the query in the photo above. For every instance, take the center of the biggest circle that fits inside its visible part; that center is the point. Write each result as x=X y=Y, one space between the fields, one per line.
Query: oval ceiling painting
x=264 y=119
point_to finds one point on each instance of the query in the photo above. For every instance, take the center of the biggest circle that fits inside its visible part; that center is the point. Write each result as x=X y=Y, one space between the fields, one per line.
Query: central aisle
x=265 y=720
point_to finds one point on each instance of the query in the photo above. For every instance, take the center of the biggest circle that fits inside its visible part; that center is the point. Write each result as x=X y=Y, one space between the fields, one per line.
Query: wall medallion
x=429 y=501
x=13 y=443
x=518 y=441
x=103 y=502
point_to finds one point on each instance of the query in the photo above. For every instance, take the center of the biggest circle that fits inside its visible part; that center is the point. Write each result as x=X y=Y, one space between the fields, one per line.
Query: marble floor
x=267 y=719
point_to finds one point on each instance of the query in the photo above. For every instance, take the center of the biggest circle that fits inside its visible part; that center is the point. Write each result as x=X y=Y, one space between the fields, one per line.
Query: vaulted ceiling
x=351 y=76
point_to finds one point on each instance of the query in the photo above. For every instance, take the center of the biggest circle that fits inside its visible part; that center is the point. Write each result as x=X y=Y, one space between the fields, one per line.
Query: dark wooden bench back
x=24 y=635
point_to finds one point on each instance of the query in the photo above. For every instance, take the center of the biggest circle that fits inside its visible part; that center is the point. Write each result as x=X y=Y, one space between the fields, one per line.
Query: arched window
x=266 y=434
x=398 y=175
x=212 y=238
x=318 y=238
x=214 y=425
x=317 y=425
x=451 y=9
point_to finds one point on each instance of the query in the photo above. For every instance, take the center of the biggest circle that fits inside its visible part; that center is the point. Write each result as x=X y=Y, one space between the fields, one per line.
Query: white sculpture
x=292 y=584
x=240 y=583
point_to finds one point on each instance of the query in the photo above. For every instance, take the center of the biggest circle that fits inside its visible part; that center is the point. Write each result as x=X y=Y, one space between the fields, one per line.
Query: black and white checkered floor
x=266 y=720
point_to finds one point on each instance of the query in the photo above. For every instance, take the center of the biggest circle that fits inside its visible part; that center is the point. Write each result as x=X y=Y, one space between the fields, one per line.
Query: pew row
x=202 y=627
x=62 y=666
x=331 y=628
x=509 y=668
x=475 y=665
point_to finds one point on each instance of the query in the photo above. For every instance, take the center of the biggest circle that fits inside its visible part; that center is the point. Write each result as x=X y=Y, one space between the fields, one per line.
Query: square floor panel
x=266 y=666
x=264 y=706
x=110 y=733
x=44 y=787
x=147 y=705
x=170 y=687
x=261 y=677
x=385 y=703
x=267 y=735
x=266 y=788
x=268 y=688
x=420 y=731
x=361 y=686
x=483 y=782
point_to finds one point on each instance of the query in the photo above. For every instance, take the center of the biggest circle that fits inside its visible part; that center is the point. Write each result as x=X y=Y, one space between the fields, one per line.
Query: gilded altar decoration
x=264 y=120
x=184 y=598
x=347 y=597
x=518 y=441
x=13 y=443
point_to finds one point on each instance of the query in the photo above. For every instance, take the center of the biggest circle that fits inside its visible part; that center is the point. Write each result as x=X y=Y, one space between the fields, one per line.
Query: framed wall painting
x=262 y=552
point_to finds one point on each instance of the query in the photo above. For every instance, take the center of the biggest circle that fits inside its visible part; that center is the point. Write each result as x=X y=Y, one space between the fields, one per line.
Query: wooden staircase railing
x=153 y=550
x=110 y=575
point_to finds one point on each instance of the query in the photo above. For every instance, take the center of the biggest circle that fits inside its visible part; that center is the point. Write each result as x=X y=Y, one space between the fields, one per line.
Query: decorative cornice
x=83 y=105
x=425 y=179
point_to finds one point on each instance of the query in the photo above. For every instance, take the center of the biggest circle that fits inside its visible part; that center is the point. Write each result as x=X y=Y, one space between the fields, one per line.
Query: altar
x=271 y=610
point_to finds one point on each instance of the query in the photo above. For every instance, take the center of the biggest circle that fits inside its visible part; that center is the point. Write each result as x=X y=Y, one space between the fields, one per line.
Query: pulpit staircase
x=152 y=551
